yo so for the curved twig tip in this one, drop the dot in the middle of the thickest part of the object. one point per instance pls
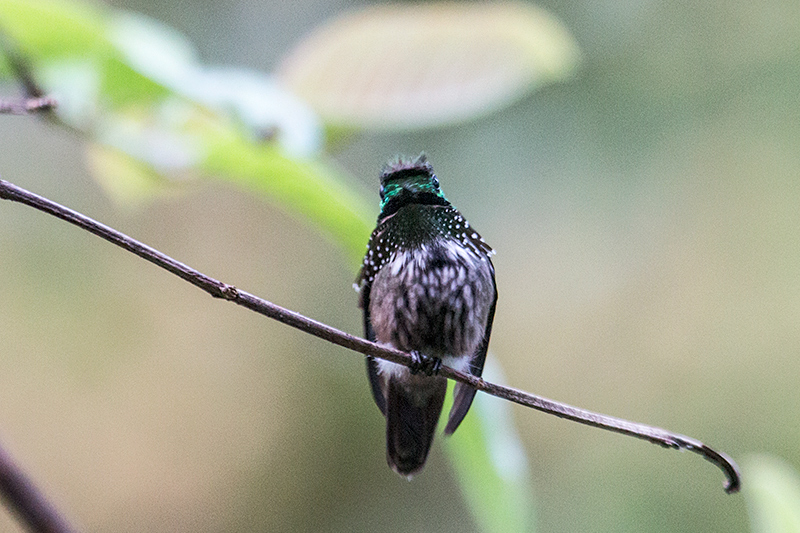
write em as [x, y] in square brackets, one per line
[721, 460]
[728, 466]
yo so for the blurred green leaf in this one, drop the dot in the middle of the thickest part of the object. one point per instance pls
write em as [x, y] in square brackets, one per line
[151, 47]
[122, 85]
[430, 64]
[491, 464]
[162, 54]
[54, 29]
[772, 489]
[308, 186]
[134, 86]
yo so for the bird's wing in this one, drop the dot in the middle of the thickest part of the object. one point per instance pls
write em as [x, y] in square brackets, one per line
[376, 383]
[463, 394]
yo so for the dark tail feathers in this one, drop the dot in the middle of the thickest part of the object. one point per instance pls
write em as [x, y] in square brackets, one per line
[411, 417]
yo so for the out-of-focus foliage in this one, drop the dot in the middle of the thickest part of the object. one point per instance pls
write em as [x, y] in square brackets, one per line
[773, 495]
[428, 64]
[135, 87]
[491, 464]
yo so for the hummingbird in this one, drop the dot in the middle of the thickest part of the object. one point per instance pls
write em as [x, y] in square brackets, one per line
[426, 287]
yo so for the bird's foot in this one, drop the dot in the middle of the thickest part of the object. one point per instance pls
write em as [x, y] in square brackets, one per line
[423, 363]
[417, 362]
[436, 365]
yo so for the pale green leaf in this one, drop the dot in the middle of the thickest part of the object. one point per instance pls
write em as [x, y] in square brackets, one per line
[308, 186]
[48, 29]
[772, 489]
[491, 465]
[428, 64]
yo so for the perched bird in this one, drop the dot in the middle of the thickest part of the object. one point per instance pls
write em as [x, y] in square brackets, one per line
[426, 287]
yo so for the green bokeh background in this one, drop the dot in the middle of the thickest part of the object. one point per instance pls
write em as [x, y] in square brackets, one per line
[646, 218]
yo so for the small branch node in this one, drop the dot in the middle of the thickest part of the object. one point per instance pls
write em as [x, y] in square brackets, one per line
[228, 292]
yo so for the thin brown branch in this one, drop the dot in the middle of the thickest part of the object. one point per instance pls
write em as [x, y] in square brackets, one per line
[27, 502]
[218, 289]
